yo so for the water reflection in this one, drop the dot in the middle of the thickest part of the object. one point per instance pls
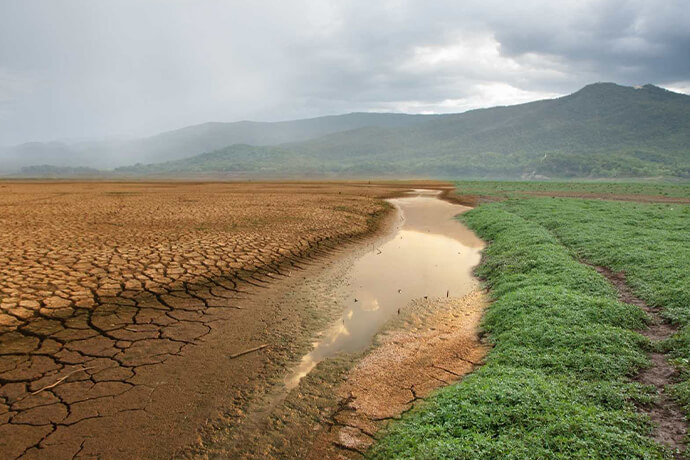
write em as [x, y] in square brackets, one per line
[429, 255]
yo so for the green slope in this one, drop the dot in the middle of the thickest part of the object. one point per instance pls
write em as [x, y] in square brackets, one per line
[192, 140]
[603, 130]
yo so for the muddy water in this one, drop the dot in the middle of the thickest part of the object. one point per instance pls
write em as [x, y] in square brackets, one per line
[429, 254]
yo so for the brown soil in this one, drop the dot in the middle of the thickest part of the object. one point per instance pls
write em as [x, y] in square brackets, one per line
[120, 304]
[267, 421]
[428, 344]
[670, 424]
[338, 408]
[435, 346]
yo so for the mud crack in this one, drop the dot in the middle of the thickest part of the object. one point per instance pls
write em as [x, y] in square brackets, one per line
[101, 285]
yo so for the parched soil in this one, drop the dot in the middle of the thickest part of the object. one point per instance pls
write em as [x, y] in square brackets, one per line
[435, 345]
[120, 304]
[338, 409]
[670, 423]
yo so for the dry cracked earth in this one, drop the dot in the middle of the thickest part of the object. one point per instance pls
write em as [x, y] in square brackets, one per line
[106, 288]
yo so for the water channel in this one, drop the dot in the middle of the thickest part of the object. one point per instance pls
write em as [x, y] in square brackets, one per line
[429, 253]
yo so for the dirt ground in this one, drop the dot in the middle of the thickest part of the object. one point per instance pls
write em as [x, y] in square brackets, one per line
[121, 303]
[435, 344]
[670, 425]
[338, 409]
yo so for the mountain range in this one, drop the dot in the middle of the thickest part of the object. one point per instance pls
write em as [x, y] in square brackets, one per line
[189, 141]
[602, 130]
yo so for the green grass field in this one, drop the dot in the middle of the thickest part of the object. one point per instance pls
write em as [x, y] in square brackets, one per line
[557, 382]
[522, 188]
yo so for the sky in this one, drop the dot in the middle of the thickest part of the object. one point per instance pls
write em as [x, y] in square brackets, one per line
[88, 69]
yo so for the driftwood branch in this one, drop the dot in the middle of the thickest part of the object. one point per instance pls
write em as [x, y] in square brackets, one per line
[236, 355]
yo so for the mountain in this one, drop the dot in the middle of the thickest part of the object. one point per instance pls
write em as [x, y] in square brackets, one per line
[48, 171]
[192, 140]
[603, 130]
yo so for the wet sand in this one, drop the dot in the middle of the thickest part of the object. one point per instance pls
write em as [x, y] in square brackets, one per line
[433, 345]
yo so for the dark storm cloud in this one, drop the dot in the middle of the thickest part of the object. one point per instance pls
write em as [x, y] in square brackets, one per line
[83, 68]
[625, 40]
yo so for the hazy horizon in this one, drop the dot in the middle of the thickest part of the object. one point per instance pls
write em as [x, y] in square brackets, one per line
[91, 70]
[116, 138]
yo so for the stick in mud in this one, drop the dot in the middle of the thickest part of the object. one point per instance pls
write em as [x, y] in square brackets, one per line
[62, 379]
[237, 355]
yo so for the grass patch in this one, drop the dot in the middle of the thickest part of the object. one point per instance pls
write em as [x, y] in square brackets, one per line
[556, 384]
[524, 188]
[650, 243]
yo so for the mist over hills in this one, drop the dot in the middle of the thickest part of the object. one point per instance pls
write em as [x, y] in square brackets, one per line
[603, 130]
[191, 140]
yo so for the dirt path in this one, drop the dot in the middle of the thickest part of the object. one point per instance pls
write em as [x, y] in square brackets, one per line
[670, 424]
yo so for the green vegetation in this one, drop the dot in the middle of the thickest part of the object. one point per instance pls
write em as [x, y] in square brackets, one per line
[245, 159]
[557, 382]
[650, 243]
[603, 130]
[502, 189]
[58, 171]
[193, 140]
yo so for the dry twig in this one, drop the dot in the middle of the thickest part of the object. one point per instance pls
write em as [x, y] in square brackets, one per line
[62, 379]
[236, 355]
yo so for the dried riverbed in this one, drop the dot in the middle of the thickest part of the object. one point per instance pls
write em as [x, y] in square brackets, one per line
[404, 313]
[124, 307]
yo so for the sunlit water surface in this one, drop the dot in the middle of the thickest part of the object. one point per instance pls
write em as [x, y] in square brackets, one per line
[430, 254]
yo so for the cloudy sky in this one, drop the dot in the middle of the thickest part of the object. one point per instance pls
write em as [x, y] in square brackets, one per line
[73, 69]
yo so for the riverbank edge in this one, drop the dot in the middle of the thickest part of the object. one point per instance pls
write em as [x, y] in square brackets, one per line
[556, 381]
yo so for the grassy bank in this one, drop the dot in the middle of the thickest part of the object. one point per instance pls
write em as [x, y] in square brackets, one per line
[556, 384]
[649, 243]
[513, 189]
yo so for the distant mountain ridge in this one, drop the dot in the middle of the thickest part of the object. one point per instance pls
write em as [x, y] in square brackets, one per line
[191, 140]
[603, 130]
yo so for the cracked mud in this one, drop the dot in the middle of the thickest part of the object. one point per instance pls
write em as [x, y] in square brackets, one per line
[434, 346]
[344, 389]
[108, 291]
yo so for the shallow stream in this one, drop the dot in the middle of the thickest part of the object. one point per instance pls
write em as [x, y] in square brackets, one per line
[428, 254]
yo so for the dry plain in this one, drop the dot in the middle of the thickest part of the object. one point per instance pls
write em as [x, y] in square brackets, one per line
[121, 302]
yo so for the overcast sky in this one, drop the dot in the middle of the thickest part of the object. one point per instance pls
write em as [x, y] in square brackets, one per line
[98, 68]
